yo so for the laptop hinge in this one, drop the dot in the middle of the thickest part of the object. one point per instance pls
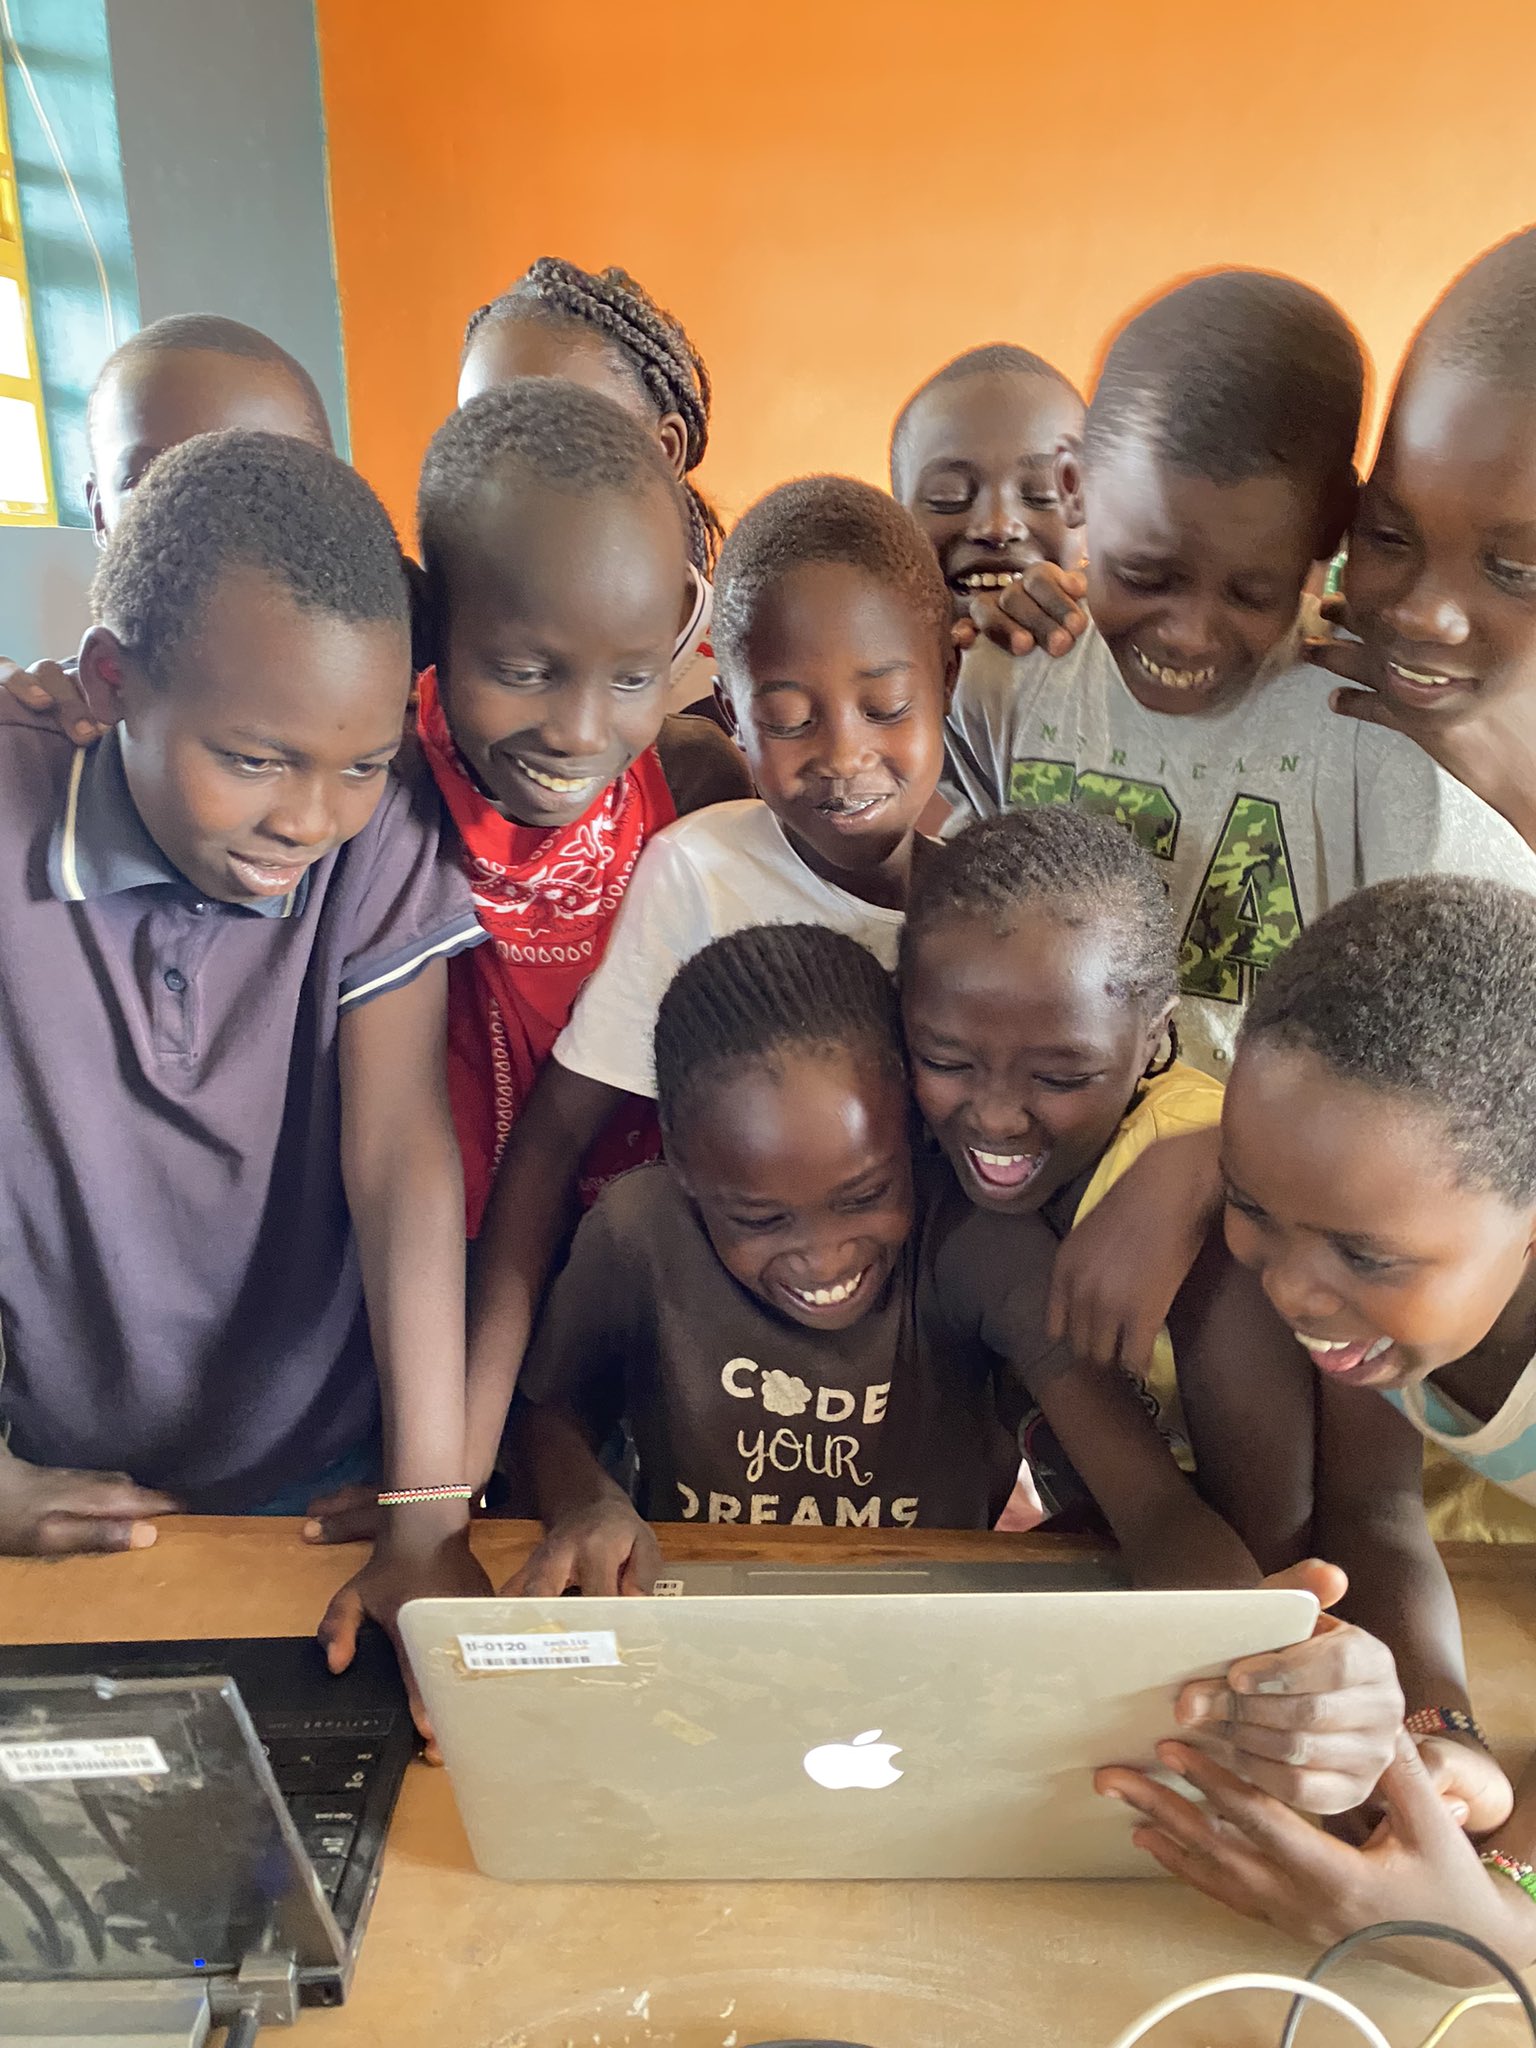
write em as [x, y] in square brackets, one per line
[266, 1986]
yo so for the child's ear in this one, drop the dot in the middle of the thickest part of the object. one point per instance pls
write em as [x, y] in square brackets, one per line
[1338, 514]
[103, 667]
[1069, 479]
[673, 436]
[1161, 1046]
[727, 711]
[951, 672]
[93, 506]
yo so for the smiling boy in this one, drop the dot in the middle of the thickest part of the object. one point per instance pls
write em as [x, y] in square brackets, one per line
[1216, 468]
[1440, 582]
[973, 459]
[232, 1238]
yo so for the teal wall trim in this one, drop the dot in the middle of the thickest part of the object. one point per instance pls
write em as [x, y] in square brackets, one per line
[65, 47]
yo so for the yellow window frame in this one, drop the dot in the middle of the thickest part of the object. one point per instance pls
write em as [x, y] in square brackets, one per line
[29, 389]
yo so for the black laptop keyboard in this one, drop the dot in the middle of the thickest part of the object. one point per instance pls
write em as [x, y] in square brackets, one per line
[324, 1766]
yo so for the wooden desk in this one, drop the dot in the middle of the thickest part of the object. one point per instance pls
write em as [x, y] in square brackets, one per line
[453, 1960]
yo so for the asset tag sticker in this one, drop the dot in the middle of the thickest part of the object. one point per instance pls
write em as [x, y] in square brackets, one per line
[576, 1649]
[667, 1589]
[34, 1763]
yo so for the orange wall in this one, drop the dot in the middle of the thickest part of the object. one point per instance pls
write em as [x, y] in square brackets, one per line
[837, 197]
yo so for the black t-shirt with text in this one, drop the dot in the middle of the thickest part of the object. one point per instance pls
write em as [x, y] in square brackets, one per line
[740, 1415]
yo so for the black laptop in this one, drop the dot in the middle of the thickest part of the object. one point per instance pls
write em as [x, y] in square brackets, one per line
[171, 1810]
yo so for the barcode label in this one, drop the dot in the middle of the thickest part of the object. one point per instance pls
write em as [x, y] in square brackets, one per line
[668, 1589]
[574, 1649]
[33, 1763]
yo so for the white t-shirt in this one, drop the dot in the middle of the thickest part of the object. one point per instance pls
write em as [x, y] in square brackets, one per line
[693, 659]
[1503, 1450]
[1260, 814]
[718, 870]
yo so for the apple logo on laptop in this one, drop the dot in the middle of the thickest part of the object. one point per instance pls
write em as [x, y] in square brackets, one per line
[863, 1764]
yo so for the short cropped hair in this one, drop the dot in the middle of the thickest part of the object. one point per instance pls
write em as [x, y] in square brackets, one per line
[651, 345]
[758, 993]
[214, 335]
[542, 428]
[1486, 321]
[1082, 871]
[1424, 989]
[995, 359]
[1234, 375]
[220, 502]
[821, 519]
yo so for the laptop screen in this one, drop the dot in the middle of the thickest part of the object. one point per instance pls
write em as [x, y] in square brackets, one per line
[142, 1835]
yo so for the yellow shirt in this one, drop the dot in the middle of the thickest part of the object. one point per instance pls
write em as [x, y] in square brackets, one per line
[1462, 1507]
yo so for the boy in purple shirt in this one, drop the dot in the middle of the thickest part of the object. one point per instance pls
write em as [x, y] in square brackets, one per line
[231, 1236]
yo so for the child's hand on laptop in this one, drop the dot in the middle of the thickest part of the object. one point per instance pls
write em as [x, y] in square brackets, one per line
[1249, 1852]
[47, 686]
[1040, 608]
[603, 1549]
[51, 1511]
[424, 1563]
[1314, 1725]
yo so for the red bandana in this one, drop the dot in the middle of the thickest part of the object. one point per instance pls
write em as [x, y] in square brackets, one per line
[548, 900]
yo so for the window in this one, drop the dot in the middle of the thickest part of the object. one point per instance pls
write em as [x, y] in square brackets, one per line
[26, 479]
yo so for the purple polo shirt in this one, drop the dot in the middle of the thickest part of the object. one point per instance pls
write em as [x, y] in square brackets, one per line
[180, 1296]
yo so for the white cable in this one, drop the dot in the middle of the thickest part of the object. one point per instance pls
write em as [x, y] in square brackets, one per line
[1252, 1981]
[13, 51]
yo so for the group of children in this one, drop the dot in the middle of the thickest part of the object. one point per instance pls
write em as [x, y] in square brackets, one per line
[824, 1063]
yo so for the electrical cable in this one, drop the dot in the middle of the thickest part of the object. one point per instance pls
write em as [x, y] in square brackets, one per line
[1414, 1930]
[13, 51]
[1468, 2004]
[243, 2028]
[1252, 1980]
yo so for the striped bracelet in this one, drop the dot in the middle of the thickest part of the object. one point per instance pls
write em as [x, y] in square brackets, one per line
[409, 1496]
[1522, 1874]
[1444, 1721]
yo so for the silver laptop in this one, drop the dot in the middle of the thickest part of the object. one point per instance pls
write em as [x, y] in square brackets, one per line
[816, 1736]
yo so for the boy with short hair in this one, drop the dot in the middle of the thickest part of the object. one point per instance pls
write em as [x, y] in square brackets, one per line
[228, 1179]
[973, 459]
[193, 373]
[1216, 467]
[1440, 583]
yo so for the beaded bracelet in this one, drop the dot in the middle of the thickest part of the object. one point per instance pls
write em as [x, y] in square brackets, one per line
[409, 1496]
[1444, 1721]
[1522, 1874]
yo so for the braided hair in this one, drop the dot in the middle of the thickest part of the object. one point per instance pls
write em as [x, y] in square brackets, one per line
[1424, 989]
[296, 514]
[651, 344]
[1078, 869]
[755, 994]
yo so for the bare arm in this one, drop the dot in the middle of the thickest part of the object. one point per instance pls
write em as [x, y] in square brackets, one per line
[1248, 1392]
[1120, 1269]
[528, 1220]
[1167, 1533]
[404, 1183]
[1370, 1520]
